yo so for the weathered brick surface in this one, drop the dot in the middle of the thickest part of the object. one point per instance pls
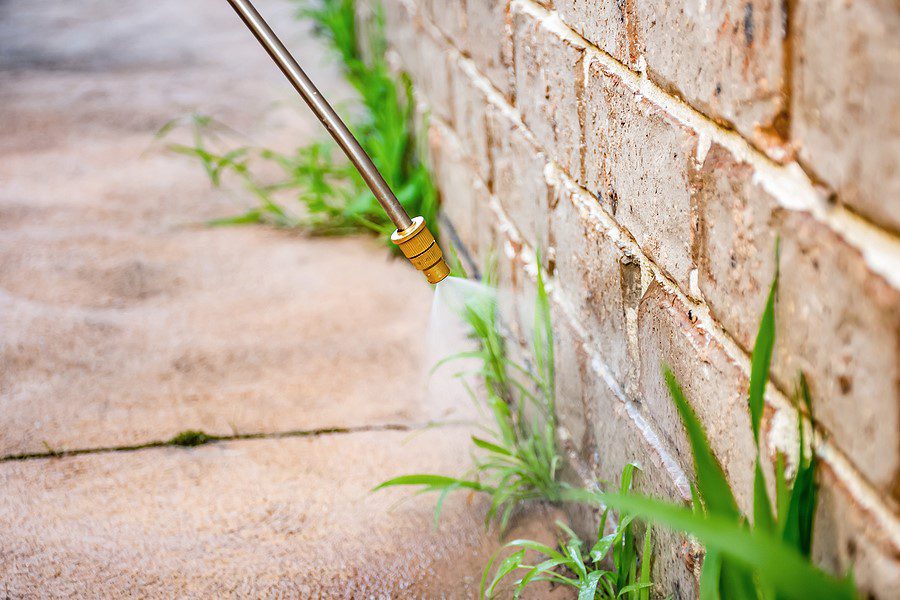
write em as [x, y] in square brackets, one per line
[712, 383]
[548, 80]
[846, 538]
[470, 106]
[517, 176]
[846, 101]
[448, 15]
[455, 180]
[736, 242]
[515, 297]
[489, 42]
[591, 265]
[602, 23]
[837, 322]
[725, 58]
[428, 62]
[637, 161]
[840, 325]
[606, 438]
[704, 208]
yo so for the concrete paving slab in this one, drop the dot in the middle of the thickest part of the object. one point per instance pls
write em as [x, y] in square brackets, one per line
[123, 318]
[265, 518]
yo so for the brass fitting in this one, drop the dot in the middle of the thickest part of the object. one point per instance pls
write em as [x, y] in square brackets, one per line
[418, 245]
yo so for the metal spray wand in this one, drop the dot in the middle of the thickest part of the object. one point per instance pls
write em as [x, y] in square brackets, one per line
[411, 235]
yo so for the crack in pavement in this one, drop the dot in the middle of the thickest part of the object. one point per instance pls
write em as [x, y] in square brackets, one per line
[213, 439]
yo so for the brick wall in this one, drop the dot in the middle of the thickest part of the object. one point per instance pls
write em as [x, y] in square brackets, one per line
[654, 150]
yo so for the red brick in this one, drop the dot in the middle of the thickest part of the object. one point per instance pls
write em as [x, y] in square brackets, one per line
[589, 266]
[846, 539]
[604, 24]
[736, 242]
[637, 162]
[429, 64]
[489, 42]
[454, 179]
[606, 437]
[845, 101]
[548, 79]
[448, 15]
[837, 321]
[517, 177]
[470, 107]
[840, 325]
[725, 58]
[713, 384]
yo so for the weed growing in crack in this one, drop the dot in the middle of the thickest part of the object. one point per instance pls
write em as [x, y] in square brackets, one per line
[771, 558]
[609, 569]
[190, 438]
[517, 459]
[333, 198]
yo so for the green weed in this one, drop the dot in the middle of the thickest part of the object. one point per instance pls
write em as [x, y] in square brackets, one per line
[333, 198]
[189, 438]
[518, 458]
[771, 558]
[608, 570]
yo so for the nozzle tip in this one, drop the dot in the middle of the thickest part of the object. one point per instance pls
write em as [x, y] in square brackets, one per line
[419, 246]
[438, 272]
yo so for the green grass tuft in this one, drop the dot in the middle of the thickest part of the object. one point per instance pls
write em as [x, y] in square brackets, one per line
[517, 459]
[331, 197]
[610, 569]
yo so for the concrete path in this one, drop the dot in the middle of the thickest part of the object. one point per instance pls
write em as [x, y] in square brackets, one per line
[124, 321]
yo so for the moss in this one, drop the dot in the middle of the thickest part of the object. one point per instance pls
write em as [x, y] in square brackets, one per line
[190, 437]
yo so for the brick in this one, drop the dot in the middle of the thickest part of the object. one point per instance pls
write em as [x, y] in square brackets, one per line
[429, 65]
[607, 438]
[470, 107]
[637, 162]
[364, 20]
[837, 321]
[401, 29]
[548, 66]
[713, 384]
[517, 176]
[589, 266]
[454, 179]
[514, 292]
[604, 24]
[736, 242]
[846, 99]
[725, 58]
[489, 42]
[846, 539]
[448, 15]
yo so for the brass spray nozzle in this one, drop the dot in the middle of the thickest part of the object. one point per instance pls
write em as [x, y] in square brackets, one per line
[419, 246]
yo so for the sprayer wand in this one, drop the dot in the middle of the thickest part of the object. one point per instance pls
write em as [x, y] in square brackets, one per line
[411, 235]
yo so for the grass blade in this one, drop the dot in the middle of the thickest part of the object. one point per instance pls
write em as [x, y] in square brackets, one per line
[762, 356]
[775, 562]
[762, 508]
[711, 482]
[433, 481]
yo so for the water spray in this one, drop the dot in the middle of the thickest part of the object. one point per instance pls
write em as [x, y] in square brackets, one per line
[412, 235]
